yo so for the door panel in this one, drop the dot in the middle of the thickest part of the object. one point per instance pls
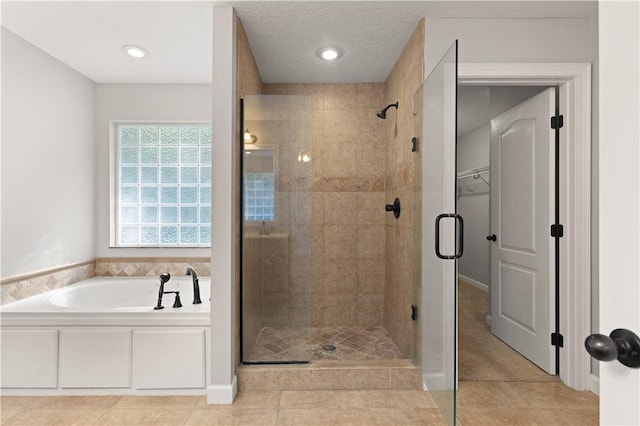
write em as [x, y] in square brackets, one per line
[522, 273]
[516, 145]
[435, 106]
[517, 300]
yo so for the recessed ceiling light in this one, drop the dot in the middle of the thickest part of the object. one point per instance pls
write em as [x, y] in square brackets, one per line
[135, 51]
[329, 53]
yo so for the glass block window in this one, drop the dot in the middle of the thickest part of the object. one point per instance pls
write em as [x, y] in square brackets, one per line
[258, 196]
[163, 185]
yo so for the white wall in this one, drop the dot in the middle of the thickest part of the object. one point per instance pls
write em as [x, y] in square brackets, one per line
[48, 161]
[510, 40]
[619, 201]
[223, 219]
[144, 102]
[473, 153]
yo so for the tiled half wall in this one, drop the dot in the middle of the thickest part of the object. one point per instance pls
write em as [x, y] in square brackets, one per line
[150, 267]
[24, 286]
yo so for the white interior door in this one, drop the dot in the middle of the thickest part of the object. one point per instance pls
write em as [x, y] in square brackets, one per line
[522, 211]
[619, 201]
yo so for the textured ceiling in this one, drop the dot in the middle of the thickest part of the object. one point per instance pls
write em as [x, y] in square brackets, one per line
[284, 35]
[88, 37]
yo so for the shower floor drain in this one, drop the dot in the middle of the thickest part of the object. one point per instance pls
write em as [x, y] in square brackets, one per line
[329, 348]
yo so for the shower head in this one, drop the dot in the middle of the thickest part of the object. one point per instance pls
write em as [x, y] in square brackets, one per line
[383, 113]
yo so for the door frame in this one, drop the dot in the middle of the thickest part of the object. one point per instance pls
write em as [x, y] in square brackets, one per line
[574, 81]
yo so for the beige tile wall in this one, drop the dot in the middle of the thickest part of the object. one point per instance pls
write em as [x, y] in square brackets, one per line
[29, 285]
[17, 288]
[401, 85]
[248, 83]
[335, 205]
[150, 266]
[252, 299]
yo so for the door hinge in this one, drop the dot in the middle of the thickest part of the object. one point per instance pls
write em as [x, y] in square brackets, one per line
[557, 340]
[414, 312]
[557, 231]
[557, 122]
[414, 144]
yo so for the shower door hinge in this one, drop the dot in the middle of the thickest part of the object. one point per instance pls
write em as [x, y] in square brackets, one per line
[557, 231]
[414, 312]
[557, 340]
[414, 144]
[557, 122]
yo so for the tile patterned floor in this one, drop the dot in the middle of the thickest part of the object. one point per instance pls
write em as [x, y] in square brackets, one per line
[481, 355]
[351, 343]
[488, 403]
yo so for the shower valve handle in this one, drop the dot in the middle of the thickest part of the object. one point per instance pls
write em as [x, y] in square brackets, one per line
[395, 208]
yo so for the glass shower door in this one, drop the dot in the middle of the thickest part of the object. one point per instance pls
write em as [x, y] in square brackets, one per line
[439, 240]
[276, 229]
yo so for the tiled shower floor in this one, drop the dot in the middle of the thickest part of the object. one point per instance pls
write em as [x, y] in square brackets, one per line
[303, 344]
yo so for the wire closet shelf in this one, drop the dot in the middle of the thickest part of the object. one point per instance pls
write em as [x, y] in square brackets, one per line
[473, 181]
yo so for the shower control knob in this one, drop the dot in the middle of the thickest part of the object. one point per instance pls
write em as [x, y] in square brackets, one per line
[491, 237]
[395, 208]
[621, 344]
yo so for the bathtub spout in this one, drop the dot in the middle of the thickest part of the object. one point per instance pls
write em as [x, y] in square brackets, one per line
[164, 277]
[196, 285]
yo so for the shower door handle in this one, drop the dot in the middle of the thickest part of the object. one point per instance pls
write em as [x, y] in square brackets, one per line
[460, 236]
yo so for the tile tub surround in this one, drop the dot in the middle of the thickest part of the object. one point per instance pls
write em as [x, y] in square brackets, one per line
[21, 287]
[152, 266]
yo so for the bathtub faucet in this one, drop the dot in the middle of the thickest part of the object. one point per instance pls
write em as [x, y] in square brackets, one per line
[164, 277]
[196, 285]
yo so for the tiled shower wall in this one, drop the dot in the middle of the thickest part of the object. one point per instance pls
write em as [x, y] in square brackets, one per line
[401, 85]
[335, 206]
[248, 83]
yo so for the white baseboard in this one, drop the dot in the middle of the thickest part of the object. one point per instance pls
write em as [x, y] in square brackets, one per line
[223, 394]
[594, 384]
[487, 319]
[474, 283]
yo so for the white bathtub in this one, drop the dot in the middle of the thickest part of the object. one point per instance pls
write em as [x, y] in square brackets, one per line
[102, 336]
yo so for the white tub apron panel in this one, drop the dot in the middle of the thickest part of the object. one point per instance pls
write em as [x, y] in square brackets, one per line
[168, 359]
[95, 358]
[29, 359]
